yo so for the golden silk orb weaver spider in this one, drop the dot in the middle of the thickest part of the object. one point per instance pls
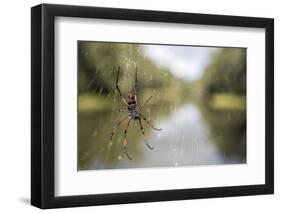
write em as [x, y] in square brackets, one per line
[132, 113]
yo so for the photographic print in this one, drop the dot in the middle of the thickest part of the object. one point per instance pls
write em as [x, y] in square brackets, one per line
[152, 105]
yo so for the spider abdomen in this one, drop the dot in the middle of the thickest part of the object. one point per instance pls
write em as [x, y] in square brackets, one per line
[131, 104]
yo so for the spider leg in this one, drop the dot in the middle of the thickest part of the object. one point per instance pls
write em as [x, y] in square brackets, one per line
[117, 125]
[125, 140]
[123, 110]
[136, 83]
[127, 154]
[150, 124]
[145, 139]
[141, 106]
[118, 89]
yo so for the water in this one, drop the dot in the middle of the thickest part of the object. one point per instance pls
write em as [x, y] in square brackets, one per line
[192, 135]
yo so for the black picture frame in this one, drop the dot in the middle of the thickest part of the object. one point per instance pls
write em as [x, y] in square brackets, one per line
[43, 102]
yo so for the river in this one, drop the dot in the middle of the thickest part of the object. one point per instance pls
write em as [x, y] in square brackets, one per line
[191, 135]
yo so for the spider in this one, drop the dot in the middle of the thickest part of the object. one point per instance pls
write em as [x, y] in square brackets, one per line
[133, 113]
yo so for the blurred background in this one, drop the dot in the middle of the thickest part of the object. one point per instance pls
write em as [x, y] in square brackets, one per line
[199, 100]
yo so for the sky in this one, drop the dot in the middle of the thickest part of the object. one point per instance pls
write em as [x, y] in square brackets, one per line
[186, 62]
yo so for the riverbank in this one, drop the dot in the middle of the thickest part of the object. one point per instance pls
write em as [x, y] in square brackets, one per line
[93, 103]
[228, 101]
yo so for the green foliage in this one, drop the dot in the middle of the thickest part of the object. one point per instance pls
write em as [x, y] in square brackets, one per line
[98, 62]
[227, 72]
